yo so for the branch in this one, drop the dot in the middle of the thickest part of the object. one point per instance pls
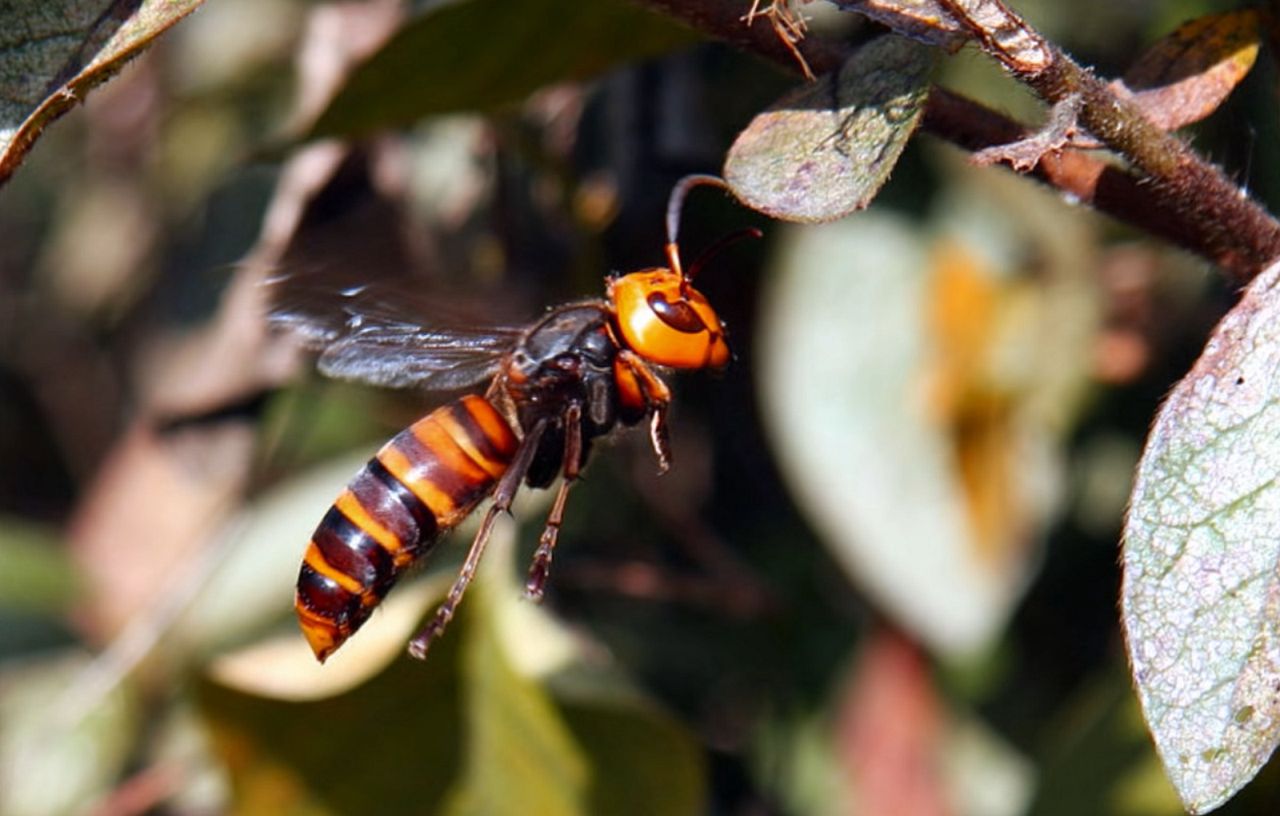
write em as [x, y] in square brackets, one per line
[1105, 187]
[1180, 198]
[1236, 232]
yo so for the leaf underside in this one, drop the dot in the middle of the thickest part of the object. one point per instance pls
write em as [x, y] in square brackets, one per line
[1201, 593]
[824, 150]
[52, 52]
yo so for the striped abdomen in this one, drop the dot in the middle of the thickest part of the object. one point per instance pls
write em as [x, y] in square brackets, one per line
[420, 484]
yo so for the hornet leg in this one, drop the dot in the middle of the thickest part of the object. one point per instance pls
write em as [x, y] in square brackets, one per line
[658, 397]
[541, 565]
[503, 495]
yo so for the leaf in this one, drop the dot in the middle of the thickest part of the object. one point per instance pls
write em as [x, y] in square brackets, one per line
[1201, 593]
[642, 761]
[889, 731]
[37, 575]
[1186, 75]
[916, 399]
[519, 757]
[904, 751]
[480, 54]
[824, 150]
[886, 742]
[389, 746]
[843, 350]
[52, 52]
[130, 561]
[1098, 735]
[471, 730]
[923, 20]
[55, 754]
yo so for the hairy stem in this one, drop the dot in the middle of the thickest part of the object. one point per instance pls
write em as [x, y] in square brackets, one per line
[1105, 187]
[1175, 195]
[1236, 232]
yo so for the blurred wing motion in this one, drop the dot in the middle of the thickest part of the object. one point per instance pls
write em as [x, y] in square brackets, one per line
[383, 335]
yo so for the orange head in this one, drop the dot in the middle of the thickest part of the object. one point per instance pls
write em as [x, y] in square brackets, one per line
[659, 314]
[666, 321]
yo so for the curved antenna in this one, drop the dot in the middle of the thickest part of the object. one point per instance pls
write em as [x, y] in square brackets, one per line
[675, 204]
[706, 255]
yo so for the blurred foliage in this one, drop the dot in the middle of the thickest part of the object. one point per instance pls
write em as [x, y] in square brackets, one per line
[509, 52]
[713, 641]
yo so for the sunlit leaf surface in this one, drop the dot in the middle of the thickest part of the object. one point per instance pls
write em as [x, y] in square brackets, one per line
[518, 754]
[825, 149]
[479, 54]
[1201, 595]
[52, 52]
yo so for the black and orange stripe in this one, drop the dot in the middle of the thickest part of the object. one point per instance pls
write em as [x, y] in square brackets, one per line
[422, 483]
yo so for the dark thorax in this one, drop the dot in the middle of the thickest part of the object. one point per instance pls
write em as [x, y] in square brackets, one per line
[566, 358]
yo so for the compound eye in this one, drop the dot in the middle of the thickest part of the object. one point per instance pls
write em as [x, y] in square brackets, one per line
[679, 315]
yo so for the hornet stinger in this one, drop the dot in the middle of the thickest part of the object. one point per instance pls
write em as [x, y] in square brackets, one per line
[552, 387]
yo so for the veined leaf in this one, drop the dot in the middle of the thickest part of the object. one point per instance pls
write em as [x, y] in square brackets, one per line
[518, 756]
[1201, 594]
[52, 52]
[824, 150]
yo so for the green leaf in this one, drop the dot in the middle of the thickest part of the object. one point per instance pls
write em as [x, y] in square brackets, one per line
[56, 753]
[642, 761]
[390, 746]
[825, 149]
[1098, 735]
[519, 757]
[477, 728]
[36, 575]
[479, 54]
[1201, 593]
[52, 52]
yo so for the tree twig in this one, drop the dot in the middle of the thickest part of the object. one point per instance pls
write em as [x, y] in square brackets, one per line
[1108, 188]
[1237, 233]
[1177, 196]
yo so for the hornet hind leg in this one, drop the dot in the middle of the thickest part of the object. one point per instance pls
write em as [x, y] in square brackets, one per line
[541, 566]
[503, 495]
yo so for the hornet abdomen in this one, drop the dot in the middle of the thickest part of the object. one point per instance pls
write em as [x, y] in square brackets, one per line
[422, 483]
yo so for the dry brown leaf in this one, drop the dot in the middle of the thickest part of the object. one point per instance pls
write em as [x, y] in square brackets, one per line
[1186, 75]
